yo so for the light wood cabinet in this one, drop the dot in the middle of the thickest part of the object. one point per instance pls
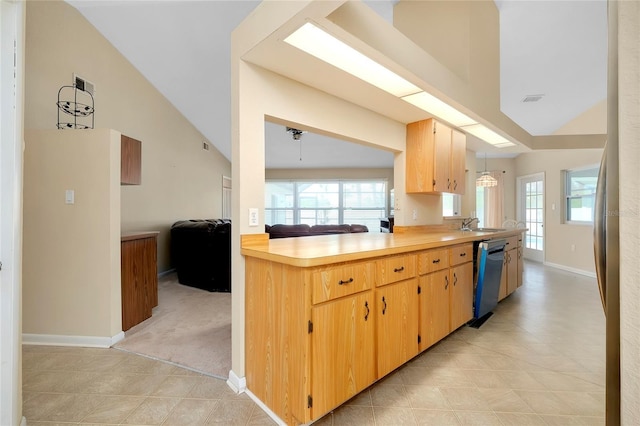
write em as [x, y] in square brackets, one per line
[461, 295]
[520, 261]
[434, 308]
[315, 336]
[397, 318]
[512, 267]
[130, 161]
[343, 355]
[446, 295]
[139, 277]
[435, 158]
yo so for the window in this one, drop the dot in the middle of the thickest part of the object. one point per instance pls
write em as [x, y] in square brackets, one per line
[580, 194]
[326, 202]
[451, 204]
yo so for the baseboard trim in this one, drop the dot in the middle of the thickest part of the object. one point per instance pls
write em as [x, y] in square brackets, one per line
[264, 408]
[167, 272]
[570, 269]
[238, 384]
[63, 340]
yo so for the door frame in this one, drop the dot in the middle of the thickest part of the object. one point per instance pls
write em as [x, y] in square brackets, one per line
[12, 16]
[534, 255]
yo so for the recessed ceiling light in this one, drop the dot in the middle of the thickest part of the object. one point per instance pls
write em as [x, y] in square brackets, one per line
[482, 132]
[442, 110]
[314, 41]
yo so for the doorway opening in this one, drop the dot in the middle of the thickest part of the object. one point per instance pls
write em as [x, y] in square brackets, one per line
[531, 210]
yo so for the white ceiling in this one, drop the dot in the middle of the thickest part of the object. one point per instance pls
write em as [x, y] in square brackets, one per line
[555, 48]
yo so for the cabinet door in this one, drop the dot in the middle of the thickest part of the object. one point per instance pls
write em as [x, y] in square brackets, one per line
[458, 162]
[130, 161]
[343, 350]
[419, 154]
[512, 270]
[397, 317]
[139, 285]
[503, 279]
[520, 266]
[442, 159]
[461, 296]
[434, 308]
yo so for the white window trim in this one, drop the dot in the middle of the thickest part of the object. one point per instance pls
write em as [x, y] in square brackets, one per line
[565, 179]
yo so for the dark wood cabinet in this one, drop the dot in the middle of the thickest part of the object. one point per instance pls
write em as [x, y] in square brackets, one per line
[139, 277]
[130, 161]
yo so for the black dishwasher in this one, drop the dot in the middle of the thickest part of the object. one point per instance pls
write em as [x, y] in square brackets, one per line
[489, 260]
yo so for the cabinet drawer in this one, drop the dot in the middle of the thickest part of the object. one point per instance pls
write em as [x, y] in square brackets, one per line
[461, 254]
[433, 260]
[335, 281]
[512, 242]
[395, 268]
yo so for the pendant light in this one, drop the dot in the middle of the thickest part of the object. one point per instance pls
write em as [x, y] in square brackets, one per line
[486, 180]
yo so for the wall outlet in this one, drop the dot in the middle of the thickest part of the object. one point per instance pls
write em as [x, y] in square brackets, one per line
[253, 217]
[415, 214]
[573, 247]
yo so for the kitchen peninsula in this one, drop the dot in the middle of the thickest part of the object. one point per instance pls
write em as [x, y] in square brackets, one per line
[327, 316]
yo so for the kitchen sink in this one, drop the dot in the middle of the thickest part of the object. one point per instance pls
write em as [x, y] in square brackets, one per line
[488, 229]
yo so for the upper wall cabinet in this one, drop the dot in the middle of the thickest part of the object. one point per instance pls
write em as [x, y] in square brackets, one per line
[130, 161]
[435, 158]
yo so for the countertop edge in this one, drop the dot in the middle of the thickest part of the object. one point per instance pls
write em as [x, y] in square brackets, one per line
[445, 239]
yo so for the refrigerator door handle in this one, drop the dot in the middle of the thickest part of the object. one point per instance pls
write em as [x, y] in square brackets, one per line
[600, 231]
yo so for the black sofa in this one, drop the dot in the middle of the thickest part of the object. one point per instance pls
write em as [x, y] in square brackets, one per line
[303, 230]
[201, 253]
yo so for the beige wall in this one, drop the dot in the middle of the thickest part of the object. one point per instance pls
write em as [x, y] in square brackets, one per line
[179, 179]
[559, 236]
[71, 252]
[592, 121]
[629, 160]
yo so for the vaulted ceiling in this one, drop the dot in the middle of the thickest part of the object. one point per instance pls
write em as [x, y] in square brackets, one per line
[556, 49]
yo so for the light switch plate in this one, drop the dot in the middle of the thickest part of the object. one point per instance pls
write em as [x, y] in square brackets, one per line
[69, 196]
[253, 217]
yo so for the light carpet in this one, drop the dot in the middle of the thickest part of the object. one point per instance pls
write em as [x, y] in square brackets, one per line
[189, 327]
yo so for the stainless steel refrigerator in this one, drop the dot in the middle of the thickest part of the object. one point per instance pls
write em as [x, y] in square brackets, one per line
[606, 229]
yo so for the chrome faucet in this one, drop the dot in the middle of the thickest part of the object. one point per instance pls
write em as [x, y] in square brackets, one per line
[466, 223]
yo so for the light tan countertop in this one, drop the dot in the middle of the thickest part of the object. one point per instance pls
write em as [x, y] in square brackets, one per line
[328, 249]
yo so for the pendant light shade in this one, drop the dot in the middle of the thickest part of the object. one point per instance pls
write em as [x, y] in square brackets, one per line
[486, 180]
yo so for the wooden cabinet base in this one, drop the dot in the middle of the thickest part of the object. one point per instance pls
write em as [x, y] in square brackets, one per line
[139, 278]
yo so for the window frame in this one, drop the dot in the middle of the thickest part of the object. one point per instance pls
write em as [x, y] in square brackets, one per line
[567, 194]
[457, 205]
[341, 208]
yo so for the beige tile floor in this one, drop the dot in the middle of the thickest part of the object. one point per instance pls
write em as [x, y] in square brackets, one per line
[539, 360]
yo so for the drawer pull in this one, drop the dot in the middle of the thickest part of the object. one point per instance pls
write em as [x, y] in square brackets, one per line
[400, 269]
[436, 261]
[366, 306]
[463, 254]
[446, 282]
[341, 282]
[384, 308]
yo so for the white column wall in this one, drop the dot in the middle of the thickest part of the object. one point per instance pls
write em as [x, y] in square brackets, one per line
[261, 93]
[629, 158]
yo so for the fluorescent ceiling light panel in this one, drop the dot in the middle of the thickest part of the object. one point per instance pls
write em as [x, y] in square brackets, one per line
[435, 106]
[487, 135]
[327, 48]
